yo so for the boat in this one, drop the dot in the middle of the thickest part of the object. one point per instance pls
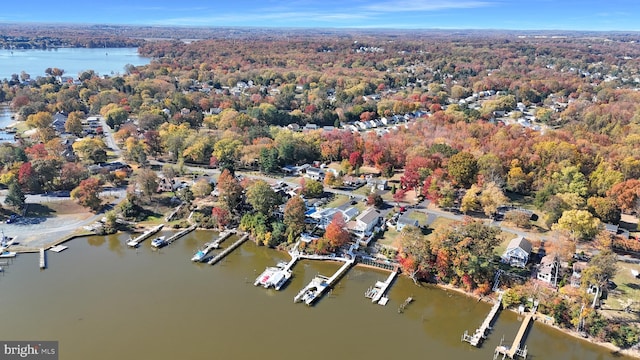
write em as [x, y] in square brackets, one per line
[159, 242]
[199, 256]
[8, 254]
[281, 279]
[263, 279]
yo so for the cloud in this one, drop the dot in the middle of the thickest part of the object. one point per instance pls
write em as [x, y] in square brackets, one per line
[424, 5]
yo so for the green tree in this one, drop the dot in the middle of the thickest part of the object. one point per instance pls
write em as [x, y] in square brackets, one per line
[415, 255]
[605, 209]
[15, 195]
[262, 197]
[201, 188]
[580, 223]
[185, 195]
[462, 168]
[313, 189]
[268, 160]
[73, 124]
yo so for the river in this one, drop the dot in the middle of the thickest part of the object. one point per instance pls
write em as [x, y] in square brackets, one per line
[102, 300]
[104, 61]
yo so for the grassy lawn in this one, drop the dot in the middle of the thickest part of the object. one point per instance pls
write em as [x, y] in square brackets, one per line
[420, 216]
[337, 201]
[389, 238]
[364, 190]
[440, 221]
[628, 289]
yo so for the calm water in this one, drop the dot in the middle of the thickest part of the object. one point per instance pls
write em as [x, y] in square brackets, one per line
[104, 61]
[5, 119]
[102, 300]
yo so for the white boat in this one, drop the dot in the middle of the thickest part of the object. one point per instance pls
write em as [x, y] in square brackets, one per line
[8, 254]
[159, 242]
[264, 278]
[199, 256]
[281, 278]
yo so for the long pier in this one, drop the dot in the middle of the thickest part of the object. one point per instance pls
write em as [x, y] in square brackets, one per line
[320, 284]
[228, 250]
[135, 242]
[377, 292]
[181, 234]
[202, 253]
[515, 349]
[43, 259]
[481, 332]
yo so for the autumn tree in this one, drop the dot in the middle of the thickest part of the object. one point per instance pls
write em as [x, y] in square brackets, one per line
[605, 209]
[147, 181]
[415, 255]
[601, 268]
[73, 125]
[87, 193]
[627, 195]
[491, 198]
[470, 200]
[336, 232]
[230, 191]
[220, 217]
[201, 188]
[294, 217]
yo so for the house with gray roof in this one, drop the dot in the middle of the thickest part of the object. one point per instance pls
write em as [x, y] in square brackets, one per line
[518, 252]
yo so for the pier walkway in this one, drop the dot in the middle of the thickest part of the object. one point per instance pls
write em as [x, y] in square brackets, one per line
[181, 234]
[202, 253]
[376, 293]
[135, 242]
[228, 250]
[43, 259]
[515, 349]
[481, 332]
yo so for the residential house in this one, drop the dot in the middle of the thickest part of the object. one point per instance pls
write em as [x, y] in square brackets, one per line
[323, 217]
[378, 184]
[548, 269]
[518, 252]
[59, 120]
[165, 185]
[315, 173]
[365, 223]
[576, 276]
[405, 220]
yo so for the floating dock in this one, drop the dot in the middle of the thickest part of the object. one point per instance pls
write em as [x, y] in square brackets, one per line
[376, 293]
[135, 242]
[228, 250]
[481, 333]
[43, 259]
[59, 248]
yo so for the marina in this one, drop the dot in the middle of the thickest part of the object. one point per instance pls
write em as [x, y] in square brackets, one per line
[135, 242]
[92, 299]
[481, 333]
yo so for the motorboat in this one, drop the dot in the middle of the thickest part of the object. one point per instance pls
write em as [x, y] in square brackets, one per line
[199, 256]
[159, 242]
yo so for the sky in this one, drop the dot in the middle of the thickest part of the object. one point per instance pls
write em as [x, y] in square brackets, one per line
[602, 15]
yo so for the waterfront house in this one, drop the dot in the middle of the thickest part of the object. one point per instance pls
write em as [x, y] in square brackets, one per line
[518, 252]
[365, 223]
[548, 269]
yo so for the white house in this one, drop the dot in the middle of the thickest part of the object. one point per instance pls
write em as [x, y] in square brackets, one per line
[518, 252]
[548, 269]
[365, 223]
[315, 173]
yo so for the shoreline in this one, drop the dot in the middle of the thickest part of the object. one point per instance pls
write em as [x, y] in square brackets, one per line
[607, 345]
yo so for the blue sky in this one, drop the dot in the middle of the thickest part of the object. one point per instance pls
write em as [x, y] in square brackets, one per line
[400, 14]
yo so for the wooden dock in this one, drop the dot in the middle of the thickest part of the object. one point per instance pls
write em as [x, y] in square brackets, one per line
[228, 250]
[181, 234]
[43, 259]
[376, 292]
[481, 333]
[515, 349]
[135, 242]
